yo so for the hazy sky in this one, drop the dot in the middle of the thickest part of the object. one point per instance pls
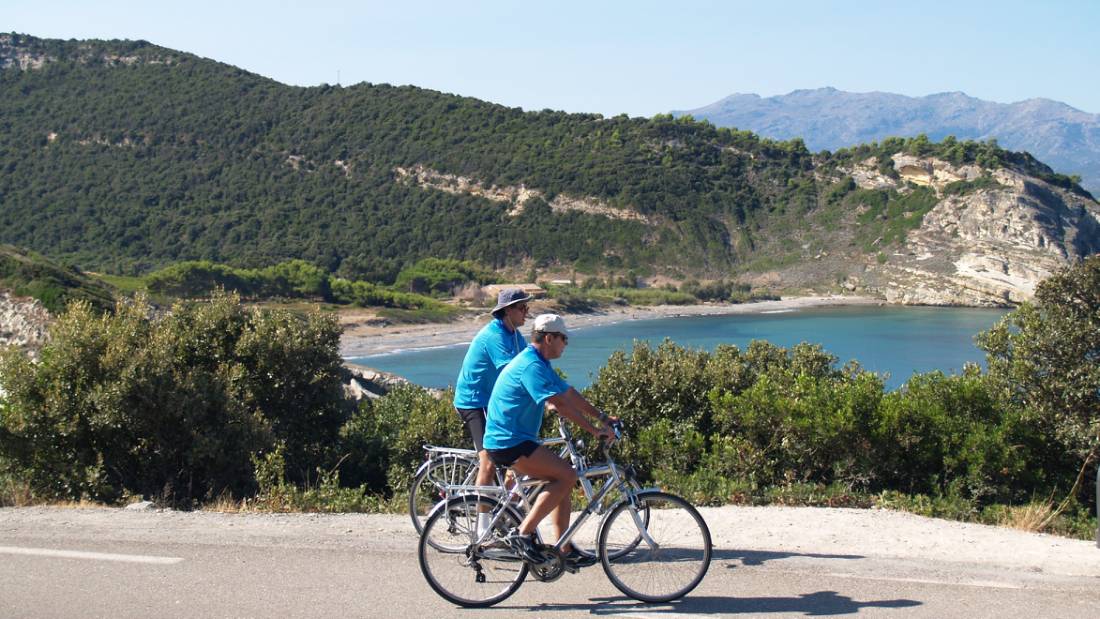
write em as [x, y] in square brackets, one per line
[637, 57]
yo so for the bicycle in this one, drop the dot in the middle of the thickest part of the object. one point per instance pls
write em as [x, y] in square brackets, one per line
[653, 546]
[447, 468]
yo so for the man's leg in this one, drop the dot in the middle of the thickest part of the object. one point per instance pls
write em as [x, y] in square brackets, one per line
[484, 469]
[475, 425]
[555, 496]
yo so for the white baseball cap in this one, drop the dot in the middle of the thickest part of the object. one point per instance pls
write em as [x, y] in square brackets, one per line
[550, 323]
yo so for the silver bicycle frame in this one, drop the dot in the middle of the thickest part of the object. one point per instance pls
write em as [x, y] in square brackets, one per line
[585, 473]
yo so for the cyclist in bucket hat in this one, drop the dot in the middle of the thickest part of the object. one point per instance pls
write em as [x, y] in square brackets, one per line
[491, 349]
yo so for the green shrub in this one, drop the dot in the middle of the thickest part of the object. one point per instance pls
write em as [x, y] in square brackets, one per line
[886, 216]
[576, 301]
[816, 495]
[170, 405]
[325, 494]
[366, 294]
[297, 278]
[950, 505]
[804, 424]
[771, 417]
[383, 441]
[679, 390]
[941, 432]
[717, 291]
[1043, 360]
[440, 276]
[962, 188]
[201, 278]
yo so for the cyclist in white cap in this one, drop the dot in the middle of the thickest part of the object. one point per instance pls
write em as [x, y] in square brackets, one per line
[512, 427]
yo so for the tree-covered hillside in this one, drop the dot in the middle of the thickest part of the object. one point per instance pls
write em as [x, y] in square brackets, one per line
[125, 156]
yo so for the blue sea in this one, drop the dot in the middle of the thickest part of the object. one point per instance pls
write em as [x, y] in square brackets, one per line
[894, 341]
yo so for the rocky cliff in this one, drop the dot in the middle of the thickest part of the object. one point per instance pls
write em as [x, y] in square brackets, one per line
[987, 247]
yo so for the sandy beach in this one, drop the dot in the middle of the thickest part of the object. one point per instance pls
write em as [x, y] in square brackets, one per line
[361, 339]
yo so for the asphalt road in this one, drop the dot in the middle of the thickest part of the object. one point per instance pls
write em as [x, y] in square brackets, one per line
[115, 563]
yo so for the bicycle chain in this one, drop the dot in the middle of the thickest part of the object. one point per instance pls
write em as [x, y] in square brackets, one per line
[552, 567]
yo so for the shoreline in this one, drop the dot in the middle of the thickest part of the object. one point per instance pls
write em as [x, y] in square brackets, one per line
[368, 340]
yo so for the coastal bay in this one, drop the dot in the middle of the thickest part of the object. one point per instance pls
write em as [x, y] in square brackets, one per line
[892, 340]
[364, 340]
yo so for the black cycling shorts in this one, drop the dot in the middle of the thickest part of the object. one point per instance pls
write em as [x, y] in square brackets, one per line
[509, 455]
[474, 418]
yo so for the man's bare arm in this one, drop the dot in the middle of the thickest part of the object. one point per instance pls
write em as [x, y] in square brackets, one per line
[574, 407]
[566, 407]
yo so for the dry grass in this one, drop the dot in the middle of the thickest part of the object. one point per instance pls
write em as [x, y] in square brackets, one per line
[81, 504]
[14, 494]
[1030, 517]
[226, 504]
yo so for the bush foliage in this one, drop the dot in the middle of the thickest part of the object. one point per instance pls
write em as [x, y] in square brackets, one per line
[290, 279]
[735, 421]
[171, 405]
[213, 398]
[1044, 360]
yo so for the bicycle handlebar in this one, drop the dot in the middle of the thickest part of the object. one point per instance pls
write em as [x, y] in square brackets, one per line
[616, 427]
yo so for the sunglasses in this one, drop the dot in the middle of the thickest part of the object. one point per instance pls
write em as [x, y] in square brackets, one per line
[564, 338]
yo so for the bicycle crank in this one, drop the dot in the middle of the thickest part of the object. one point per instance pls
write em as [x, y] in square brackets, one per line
[552, 566]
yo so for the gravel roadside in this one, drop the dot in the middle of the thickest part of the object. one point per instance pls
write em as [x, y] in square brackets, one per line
[804, 531]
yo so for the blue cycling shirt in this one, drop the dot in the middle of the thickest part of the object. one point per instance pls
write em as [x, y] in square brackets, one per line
[493, 347]
[515, 408]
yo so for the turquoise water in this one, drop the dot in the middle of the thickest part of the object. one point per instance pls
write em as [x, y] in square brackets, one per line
[898, 341]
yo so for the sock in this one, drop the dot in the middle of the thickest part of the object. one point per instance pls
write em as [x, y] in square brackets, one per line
[482, 523]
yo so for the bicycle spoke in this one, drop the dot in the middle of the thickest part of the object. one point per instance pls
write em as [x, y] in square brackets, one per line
[666, 569]
[431, 485]
[459, 571]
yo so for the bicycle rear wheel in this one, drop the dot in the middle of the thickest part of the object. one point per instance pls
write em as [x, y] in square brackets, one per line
[429, 485]
[460, 571]
[669, 564]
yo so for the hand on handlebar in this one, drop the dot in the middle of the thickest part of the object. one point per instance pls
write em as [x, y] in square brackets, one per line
[610, 429]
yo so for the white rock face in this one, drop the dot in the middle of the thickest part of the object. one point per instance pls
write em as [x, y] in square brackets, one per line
[867, 176]
[927, 172]
[517, 196]
[990, 247]
[23, 322]
[932, 172]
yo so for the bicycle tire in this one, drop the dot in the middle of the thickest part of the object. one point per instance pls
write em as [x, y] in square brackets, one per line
[433, 475]
[447, 545]
[663, 573]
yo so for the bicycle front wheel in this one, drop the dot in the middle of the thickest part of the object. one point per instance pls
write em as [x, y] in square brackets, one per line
[460, 570]
[587, 538]
[429, 486]
[671, 558]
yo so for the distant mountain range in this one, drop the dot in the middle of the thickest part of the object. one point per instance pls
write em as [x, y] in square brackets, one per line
[1063, 137]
